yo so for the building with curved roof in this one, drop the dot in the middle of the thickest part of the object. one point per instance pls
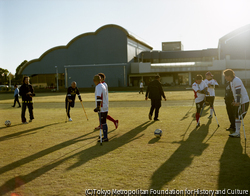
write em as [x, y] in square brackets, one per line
[109, 50]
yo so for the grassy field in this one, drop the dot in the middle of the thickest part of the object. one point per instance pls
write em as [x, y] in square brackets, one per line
[51, 157]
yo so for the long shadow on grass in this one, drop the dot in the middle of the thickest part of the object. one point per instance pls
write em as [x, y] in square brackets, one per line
[84, 156]
[42, 153]
[181, 158]
[97, 151]
[24, 133]
[234, 167]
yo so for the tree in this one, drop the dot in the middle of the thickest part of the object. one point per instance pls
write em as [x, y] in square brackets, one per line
[18, 77]
[3, 76]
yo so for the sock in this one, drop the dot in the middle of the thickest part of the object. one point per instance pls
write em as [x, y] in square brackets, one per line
[105, 130]
[211, 111]
[237, 125]
[197, 117]
[111, 119]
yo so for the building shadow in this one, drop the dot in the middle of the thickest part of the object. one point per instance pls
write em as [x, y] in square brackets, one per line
[181, 158]
[234, 167]
[83, 156]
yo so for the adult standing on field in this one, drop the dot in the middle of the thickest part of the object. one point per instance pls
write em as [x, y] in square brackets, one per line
[102, 78]
[229, 99]
[27, 92]
[102, 105]
[155, 93]
[70, 98]
[16, 94]
[241, 99]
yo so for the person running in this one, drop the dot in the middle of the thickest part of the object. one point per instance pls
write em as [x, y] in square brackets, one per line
[27, 92]
[200, 90]
[102, 105]
[211, 83]
[16, 94]
[155, 92]
[241, 99]
[102, 78]
[70, 98]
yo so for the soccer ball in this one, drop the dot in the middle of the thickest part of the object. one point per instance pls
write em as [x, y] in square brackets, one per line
[7, 123]
[158, 133]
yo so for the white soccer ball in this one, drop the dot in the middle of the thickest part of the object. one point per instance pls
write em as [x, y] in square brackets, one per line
[158, 133]
[7, 123]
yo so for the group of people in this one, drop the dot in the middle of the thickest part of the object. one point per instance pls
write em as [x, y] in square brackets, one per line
[236, 98]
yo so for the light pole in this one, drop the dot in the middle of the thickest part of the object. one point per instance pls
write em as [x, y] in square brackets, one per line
[57, 87]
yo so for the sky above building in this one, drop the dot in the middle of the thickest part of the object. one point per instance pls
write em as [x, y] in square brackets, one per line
[28, 28]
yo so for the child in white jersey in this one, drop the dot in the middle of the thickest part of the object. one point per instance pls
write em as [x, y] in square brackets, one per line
[211, 83]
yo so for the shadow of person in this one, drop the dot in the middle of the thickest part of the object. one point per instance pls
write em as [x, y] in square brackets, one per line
[84, 156]
[181, 158]
[234, 167]
[115, 143]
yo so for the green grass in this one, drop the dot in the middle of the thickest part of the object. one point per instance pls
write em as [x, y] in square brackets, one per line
[51, 157]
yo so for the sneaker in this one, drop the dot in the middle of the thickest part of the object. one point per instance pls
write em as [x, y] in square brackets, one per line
[150, 117]
[25, 122]
[210, 117]
[30, 120]
[198, 125]
[70, 119]
[157, 119]
[230, 129]
[235, 134]
[116, 124]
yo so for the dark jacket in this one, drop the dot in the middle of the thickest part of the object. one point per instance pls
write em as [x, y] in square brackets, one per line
[71, 93]
[155, 91]
[24, 89]
[229, 98]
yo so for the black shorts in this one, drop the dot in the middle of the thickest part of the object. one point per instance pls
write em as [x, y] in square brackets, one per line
[104, 117]
[242, 111]
[199, 106]
[210, 100]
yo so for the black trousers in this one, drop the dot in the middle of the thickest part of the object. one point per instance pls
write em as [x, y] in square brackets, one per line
[231, 114]
[30, 107]
[16, 100]
[155, 105]
[70, 105]
[141, 90]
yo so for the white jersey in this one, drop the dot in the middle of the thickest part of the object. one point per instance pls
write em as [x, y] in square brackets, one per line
[199, 96]
[106, 86]
[141, 85]
[236, 83]
[101, 91]
[211, 88]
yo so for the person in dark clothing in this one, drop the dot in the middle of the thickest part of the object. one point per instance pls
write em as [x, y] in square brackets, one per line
[70, 98]
[16, 92]
[229, 98]
[27, 92]
[155, 92]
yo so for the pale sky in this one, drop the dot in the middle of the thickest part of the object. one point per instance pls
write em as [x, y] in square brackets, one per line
[28, 28]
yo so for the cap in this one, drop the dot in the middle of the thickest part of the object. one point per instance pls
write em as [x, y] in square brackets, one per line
[209, 74]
